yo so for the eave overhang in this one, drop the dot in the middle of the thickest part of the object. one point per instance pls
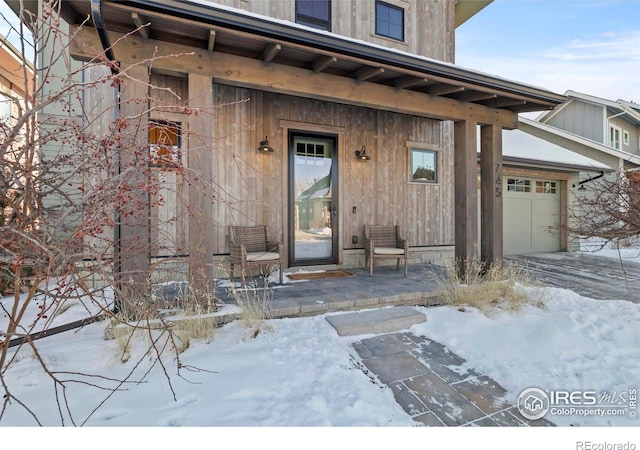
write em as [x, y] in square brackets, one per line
[204, 25]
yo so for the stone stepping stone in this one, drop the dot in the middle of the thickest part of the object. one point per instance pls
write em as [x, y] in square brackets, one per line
[376, 321]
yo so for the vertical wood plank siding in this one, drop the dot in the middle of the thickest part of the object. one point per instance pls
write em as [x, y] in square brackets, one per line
[251, 187]
[356, 18]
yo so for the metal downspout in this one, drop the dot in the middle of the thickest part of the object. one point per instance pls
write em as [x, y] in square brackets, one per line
[98, 21]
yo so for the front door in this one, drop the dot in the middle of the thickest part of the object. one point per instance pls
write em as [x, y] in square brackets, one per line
[313, 209]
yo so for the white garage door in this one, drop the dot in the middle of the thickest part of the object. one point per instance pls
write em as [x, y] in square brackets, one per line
[531, 215]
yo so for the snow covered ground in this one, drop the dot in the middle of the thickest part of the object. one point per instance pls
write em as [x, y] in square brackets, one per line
[299, 373]
[627, 251]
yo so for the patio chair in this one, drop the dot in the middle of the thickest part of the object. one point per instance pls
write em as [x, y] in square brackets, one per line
[385, 241]
[250, 246]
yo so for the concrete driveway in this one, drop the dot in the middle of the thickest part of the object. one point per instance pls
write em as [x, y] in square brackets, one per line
[588, 275]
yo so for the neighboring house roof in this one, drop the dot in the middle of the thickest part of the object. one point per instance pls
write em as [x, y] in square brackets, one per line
[321, 189]
[521, 148]
[190, 22]
[629, 110]
[12, 64]
[626, 156]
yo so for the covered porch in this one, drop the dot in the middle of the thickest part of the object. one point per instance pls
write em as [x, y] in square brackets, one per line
[229, 48]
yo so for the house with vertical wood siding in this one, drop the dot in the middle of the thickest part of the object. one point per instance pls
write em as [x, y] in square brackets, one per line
[318, 83]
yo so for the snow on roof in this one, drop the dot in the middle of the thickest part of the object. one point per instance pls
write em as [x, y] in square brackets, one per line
[517, 144]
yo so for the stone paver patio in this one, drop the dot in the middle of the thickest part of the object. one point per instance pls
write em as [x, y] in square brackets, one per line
[433, 385]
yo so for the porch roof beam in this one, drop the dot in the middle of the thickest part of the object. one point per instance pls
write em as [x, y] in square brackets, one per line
[409, 82]
[213, 14]
[444, 89]
[212, 40]
[270, 52]
[323, 62]
[141, 24]
[368, 72]
[247, 72]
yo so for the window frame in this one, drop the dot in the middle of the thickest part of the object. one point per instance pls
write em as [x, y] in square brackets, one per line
[625, 137]
[548, 187]
[6, 110]
[518, 184]
[391, 7]
[413, 149]
[312, 21]
[158, 161]
[613, 129]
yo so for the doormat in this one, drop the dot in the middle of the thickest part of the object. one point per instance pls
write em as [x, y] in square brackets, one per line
[318, 275]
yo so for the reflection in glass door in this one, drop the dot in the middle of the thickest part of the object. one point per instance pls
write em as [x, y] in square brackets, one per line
[313, 210]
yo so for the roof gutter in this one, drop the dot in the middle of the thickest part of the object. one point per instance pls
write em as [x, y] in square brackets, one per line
[98, 20]
[255, 24]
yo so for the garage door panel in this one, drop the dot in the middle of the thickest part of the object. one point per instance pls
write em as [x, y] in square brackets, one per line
[518, 242]
[530, 217]
[519, 206]
[518, 224]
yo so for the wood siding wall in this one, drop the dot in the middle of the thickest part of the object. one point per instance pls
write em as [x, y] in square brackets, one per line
[429, 24]
[251, 188]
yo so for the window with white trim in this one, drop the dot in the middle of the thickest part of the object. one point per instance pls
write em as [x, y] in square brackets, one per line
[614, 136]
[625, 137]
[5, 108]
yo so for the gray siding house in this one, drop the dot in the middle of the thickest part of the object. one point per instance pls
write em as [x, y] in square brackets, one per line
[615, 124]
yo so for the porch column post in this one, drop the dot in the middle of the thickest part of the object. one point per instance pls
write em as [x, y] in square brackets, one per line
[466, 198]
[491, 195]
[200, 192]
[131, 250]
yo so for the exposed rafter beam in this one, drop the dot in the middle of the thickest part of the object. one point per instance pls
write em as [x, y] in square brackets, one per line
[368, 72]
[444, 89]
[252, 74]
[475, 96]
[503, 102]
[407, 82]
[140, 23]
[212, 40]
[323, 62]
[270, 52]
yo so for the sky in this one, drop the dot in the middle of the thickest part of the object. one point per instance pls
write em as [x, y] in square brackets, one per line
[588, 46]
[299, 379]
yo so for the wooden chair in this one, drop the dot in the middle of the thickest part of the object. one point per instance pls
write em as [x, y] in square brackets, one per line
[250, 246]
[385, 241]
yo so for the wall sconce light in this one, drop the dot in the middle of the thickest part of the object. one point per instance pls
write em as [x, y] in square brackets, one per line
[264, 146]
[362, 154]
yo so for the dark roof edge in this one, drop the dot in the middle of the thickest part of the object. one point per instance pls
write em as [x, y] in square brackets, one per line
[559, 166]
[279, 29]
